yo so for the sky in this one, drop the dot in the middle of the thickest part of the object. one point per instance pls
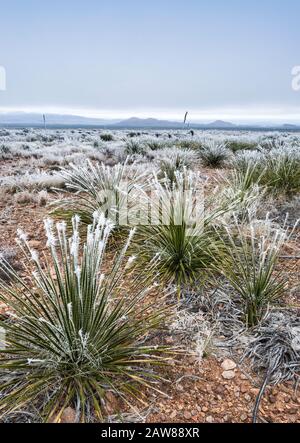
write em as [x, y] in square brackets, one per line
[118, 58]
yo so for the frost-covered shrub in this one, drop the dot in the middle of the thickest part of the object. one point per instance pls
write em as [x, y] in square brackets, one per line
[253, 251]
[214, 155]
[78, 331]
[171, 160]
[31, 182]
[181, 241]
[106, 137]
[95, 187]
[278, 170]
[133, 147]
[240, 145]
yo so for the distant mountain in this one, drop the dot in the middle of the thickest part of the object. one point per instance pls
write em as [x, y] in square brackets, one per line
[220, 124]
[290, 126]
[26, 119]
[135, 122]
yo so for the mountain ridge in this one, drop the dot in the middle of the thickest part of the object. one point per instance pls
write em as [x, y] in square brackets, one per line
[20, 119]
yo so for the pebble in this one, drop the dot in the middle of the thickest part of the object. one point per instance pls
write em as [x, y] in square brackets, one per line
[187, 415]
[209, 419]
[228, 375]
[228, 365]
[68, 415]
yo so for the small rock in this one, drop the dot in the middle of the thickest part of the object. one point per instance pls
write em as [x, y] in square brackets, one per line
[228, 375]
[173, 414]
[243, 417]
[209, 419]
[219, 389]
[228, 365]
[68, 415]
[35, 244]
[187, 415]
[244, 389]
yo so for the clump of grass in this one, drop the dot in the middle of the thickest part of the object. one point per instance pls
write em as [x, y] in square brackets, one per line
[106, 137]
[240, 145]
[282, 172]
[214, 155]
[174, 160]
[132, 134]
[181, 237]
[189, 144]
[95, 188]
[277, 170]
[133, 147]
[154, 145]
[77, 331]
[5, 152]
[242, 188]
[253, 255]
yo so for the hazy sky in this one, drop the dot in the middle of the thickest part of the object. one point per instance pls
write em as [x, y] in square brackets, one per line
[218, 59]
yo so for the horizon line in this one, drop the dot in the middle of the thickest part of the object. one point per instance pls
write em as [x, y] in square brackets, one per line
[232, 115]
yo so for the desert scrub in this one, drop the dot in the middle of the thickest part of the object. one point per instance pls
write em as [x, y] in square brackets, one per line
[277, 170]
[242, 189]
[134, 147]
[154, 145]
[189, 144]
[253, 252]
[173, 160]
[31, 182]
[106, 137]
[180, 236]
[240, 145]
[5, 152]
[96, 187]
[77, 332]
[214, 154]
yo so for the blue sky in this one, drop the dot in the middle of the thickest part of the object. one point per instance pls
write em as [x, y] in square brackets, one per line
[218, 59]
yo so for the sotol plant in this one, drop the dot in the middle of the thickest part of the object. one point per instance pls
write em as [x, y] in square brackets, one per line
[77, 332]
[182, 245]
[95, 188]
[214, 154]
[253, 253]
[277, 170]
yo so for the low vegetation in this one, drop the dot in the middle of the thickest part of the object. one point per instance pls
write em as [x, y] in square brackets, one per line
[162, 240]
[79, 334]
